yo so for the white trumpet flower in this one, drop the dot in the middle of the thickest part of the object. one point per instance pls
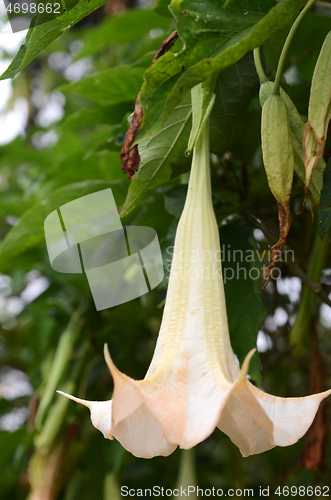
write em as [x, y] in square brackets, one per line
[194, 384]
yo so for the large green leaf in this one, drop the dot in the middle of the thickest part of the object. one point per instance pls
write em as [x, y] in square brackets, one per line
[163, 8]
[125, 28]
[40, 36]
[234, 91]
[209, 45]
[163, 156]
[324, 214]
[29, 231]
[242, 282]
[110, 86]
[160, 154]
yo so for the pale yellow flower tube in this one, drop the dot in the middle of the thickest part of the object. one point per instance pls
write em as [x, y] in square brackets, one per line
[194, 383]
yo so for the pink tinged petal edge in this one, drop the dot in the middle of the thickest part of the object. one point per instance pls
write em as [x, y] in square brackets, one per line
[140, 424]
[101, 413]
[186, 415]
[242, 419]
[186, 419]
[255, 421]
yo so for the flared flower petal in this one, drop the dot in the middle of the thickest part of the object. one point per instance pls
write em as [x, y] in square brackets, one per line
[256, 421]
[194, 383]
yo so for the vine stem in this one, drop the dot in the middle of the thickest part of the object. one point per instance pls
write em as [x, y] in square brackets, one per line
[258, 65]
[287, 44]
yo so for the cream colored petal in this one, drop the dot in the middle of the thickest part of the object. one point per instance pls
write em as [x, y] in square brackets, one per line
[291, 417]
[256, 421]
[243, 430]
[142, 435]
[251, 433]
[101, 414]
[187, 403]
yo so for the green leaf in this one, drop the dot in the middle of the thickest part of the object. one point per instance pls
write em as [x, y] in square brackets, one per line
[85, 117]
[234, 90]
[125, 28]
[163, 8]
[163, 156]
[29, 231]
[40, 36]
[110, 86]
[174, 200]
[209, 45]
[203, 100]
[242, 283]
[310, 34]
[324, 214]
[9, 441]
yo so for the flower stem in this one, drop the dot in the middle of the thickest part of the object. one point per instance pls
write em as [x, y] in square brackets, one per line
[258, 65]
[287, 44]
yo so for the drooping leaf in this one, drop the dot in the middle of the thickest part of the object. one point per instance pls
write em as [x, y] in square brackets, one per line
[163, 156]
[208, 45]
[242, 282]
[110, 86]
[324, 214]
[40, 36]
[29, 231]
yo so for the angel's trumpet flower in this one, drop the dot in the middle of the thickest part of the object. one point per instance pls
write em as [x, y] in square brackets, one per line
[194, 384]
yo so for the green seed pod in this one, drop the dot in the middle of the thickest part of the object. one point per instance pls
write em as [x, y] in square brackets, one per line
[278, 159]
[297, 130]
[277, 148]
[320, 92]
[319, 111]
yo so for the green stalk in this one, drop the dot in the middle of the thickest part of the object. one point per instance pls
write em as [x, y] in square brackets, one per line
[61, 361]
[187, 471]
[287, 44]
[299, 333]
[258, 65]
